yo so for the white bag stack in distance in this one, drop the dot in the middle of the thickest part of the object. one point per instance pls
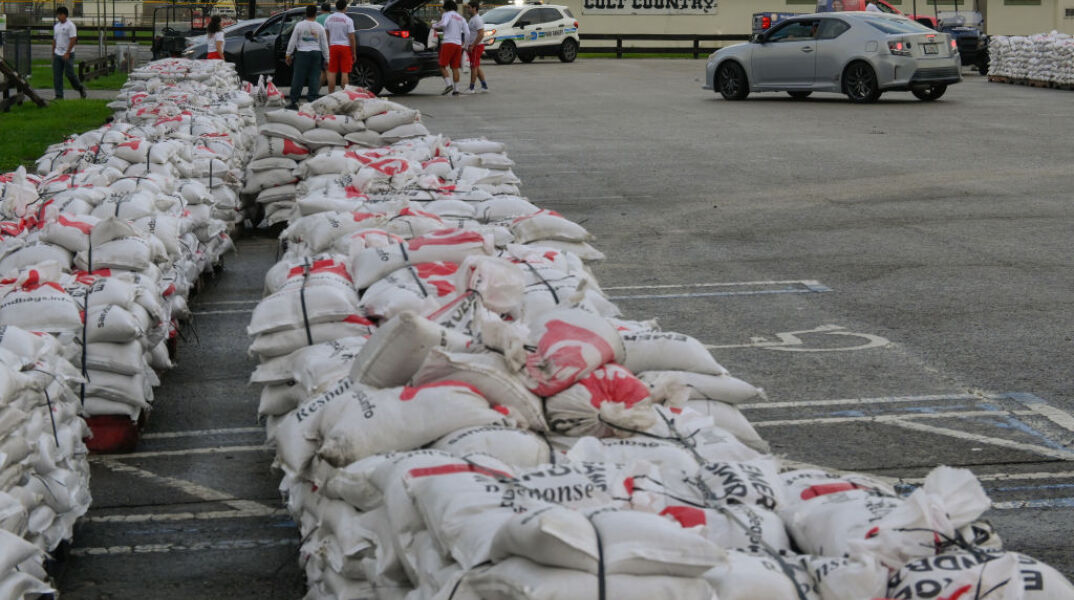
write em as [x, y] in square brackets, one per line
[497, 430]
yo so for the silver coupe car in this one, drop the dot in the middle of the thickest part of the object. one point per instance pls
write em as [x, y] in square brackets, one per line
[860, 54]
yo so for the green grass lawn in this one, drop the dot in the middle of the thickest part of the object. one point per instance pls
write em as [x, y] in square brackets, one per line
[41, 78]
[28, 130]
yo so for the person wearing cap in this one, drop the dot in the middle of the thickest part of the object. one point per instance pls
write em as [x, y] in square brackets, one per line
[307, 51]
[342, 46]
[64, 38]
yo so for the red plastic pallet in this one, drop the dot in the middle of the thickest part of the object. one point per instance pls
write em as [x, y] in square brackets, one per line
[112, 434]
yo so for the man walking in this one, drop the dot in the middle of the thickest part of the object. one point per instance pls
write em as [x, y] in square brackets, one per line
[476, 45]
[64, 38]
[455, 33]
[342, 46]
[307, 52]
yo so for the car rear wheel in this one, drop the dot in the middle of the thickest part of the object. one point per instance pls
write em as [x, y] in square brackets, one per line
[731, 81]
[568, 51]
[527, 57]
[402, 87]
[860, 84]
[367, 74]
[506, 54]
[800, 95]
[928, 94]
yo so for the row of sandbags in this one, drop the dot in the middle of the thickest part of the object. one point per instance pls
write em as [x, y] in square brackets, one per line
[459, 411]
[297, 146]
[44, 475]
[1042, 57]
[103, 245]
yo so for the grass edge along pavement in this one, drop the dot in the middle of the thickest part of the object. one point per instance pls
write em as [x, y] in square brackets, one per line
[41, 78]
[28, 130]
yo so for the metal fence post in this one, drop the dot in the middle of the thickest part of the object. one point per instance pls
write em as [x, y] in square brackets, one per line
[619, 47]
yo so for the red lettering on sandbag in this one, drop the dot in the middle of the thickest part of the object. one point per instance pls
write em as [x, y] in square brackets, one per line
[687, 516]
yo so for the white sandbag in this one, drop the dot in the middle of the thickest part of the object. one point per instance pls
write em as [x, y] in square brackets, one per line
[965, 575]
[281, 130]
[489, 373]
[368, 421]
[608, 402]
[668, 351]
[319, 297]
[519, 579]
[753, 483]
[570, 344]
[398, 348]
[298, 120]
[19, 254]
[515, 447]
[620, 541]
[341, 124]
[662, 453]
[731, 419]
[701, 386]
[111, 323]
[279, 343]
[547, 225]
[734, 525]
[319, 138]
[391, 119]
[370, 264]
[125, 359]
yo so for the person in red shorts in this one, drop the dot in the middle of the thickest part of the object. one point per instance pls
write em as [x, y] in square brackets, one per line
[477, 46]
[342, 45]
[215, 38]
[456, 32]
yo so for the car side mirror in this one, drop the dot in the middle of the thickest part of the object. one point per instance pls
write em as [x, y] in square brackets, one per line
[522, 24]
[757, 38]
[249, 35]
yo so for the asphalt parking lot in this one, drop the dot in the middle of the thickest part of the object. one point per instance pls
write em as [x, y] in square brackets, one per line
[913, 255]
[898, 277]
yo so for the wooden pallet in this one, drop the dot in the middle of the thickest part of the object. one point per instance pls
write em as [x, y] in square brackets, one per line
[1037, 83]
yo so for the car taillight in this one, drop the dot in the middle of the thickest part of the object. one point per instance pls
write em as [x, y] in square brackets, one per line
[899, 48]
[766, 22]
[954, 46]
[399, 33]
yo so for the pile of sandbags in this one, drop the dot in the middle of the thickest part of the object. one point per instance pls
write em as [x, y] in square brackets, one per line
[320, 152]
[1045, 57]
[103, 245]
[44, 475]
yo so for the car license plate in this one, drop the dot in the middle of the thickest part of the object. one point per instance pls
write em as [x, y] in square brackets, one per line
[932, 48]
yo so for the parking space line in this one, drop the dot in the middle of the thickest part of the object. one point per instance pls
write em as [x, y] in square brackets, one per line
[209, 515]
[1039, 503]
[845, 401]
[196, 547]
[981, 439]
[223, 312]
[1040, 406]
[160, 435]
[188, 451]
[887, 418]
[809, 283]
[227, 302]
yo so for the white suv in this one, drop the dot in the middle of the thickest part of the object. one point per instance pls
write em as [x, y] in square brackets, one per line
[530, 31]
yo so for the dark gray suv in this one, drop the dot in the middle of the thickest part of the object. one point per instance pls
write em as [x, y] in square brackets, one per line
[386, 56]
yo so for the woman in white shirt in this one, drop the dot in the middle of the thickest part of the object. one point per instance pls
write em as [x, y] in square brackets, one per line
[215, 39]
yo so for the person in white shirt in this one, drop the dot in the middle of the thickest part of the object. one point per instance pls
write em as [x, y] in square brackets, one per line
[872, 7]
[476, 46]
[342, 46]
[307, 52]
[456, 32]
[64, 38]
[215, 39]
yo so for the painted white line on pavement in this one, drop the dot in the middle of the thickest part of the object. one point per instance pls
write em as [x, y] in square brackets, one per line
[161, 435]
[187, 487]
[1041, 407]
[981, 439]
[790, 341]
[223, 312]
[208, 515]
[186, 452]
[227, 302]
[1024, 476]
[890, 418]
[195, 547]
[844, 401]
[1040, 503]
[668, 286]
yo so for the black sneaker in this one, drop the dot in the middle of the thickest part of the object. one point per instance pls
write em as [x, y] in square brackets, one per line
[447, 90]
[82, 93]
[455, 93]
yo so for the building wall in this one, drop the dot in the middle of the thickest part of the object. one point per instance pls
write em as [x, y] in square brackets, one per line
[734, 16]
